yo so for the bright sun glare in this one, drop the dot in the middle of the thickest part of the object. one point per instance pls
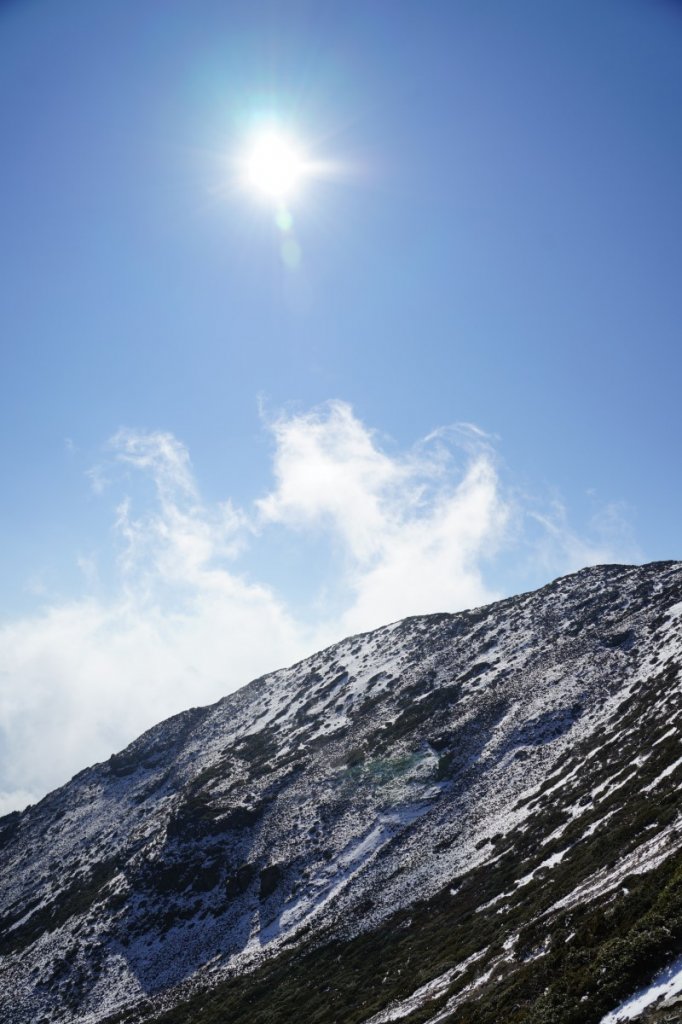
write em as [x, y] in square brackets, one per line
[274, 166]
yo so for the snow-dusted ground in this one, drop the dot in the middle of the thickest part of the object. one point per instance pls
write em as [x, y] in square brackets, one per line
[322, 798]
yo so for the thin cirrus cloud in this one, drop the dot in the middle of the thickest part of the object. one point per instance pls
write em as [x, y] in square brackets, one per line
[185, 621]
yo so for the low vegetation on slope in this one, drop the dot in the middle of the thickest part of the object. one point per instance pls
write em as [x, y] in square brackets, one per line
[523, 950]
[583, 966]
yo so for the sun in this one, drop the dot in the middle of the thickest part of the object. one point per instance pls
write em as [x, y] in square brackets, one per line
[274, 166]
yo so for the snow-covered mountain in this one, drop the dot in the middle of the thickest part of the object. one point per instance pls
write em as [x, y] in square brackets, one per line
[464, 818]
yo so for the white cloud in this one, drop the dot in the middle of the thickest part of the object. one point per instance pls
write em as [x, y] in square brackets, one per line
[559, 548]
[414, 529]
[82, 678]
[181, 541]
[183, 623]
[328, 467]
[98, 480]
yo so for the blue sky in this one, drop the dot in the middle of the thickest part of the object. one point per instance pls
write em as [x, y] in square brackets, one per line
[469, 385]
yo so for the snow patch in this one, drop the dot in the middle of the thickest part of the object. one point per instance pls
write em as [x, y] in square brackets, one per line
[666, 985]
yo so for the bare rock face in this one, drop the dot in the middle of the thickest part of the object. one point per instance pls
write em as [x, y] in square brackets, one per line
[466, 818]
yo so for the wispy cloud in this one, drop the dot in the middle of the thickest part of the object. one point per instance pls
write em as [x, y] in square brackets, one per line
[414, 527]
[184, 621]
[558, 548]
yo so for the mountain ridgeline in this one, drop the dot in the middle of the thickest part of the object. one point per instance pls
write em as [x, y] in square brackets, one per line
[469, 818]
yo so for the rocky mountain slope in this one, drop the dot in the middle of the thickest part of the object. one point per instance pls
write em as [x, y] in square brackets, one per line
[456, 818]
